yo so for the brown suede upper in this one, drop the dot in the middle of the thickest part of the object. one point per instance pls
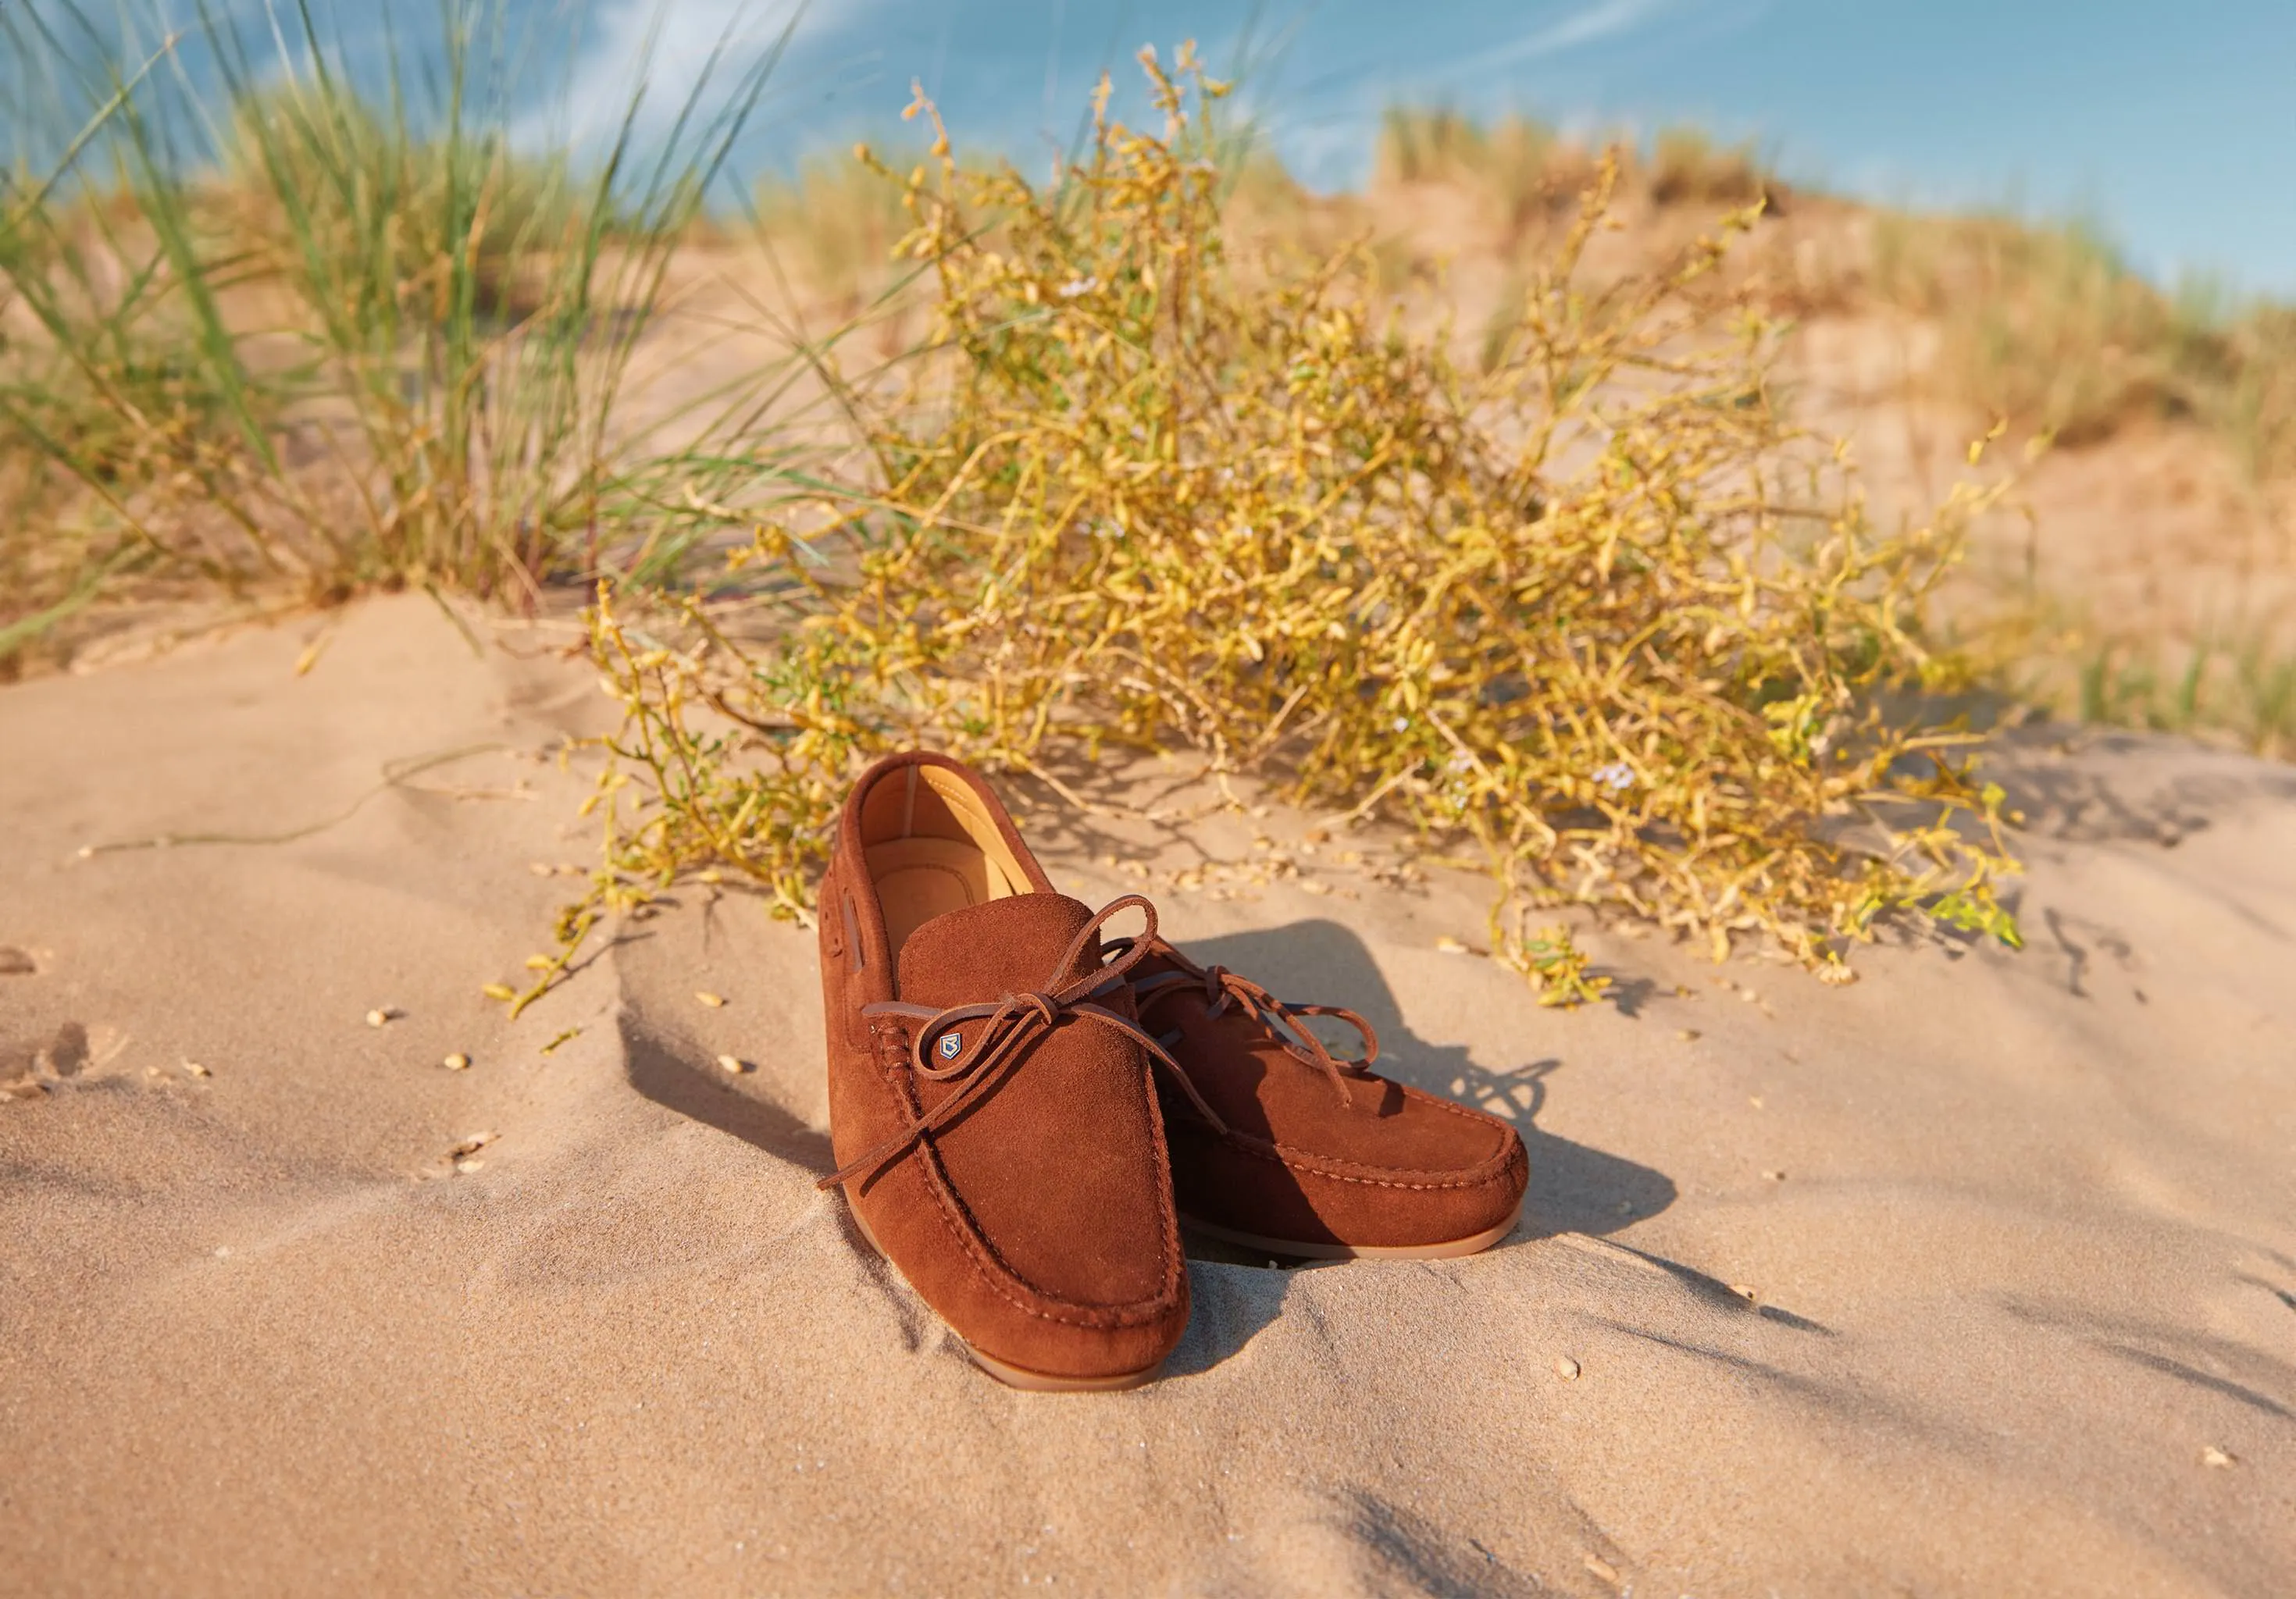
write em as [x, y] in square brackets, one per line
[1316, 1150]
[1036, 1217]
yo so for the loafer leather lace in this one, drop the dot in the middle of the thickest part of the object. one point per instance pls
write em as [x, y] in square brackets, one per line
[1007, 1028]
[1221, 989]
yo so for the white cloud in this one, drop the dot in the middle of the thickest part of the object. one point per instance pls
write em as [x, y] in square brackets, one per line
[1326, 153]
[665, 49]
[1604, 19]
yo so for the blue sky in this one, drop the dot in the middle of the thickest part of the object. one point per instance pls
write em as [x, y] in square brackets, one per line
[2172, 127]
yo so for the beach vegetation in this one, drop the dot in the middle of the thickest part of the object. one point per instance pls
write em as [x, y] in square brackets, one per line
[1592, 607]
[337, 335]
[1162, 454]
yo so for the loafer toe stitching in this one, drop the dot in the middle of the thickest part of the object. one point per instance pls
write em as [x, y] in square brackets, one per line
[1018, 1291]
[1482, 1174]
[1491, 1169]
[994, 1270]
[1010, 1285]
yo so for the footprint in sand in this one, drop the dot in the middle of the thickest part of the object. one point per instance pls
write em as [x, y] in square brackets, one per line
[30, 1067]
[27, 1066]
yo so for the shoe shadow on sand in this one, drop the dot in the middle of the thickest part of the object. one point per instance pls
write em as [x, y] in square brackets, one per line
[677, 1075]
[1573, 1188]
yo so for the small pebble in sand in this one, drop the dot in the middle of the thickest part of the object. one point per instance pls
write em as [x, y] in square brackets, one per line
[473, 1164]
[382, 1015]
[1743, 1291]
[1754, 1100]
[1451, 946]
[734, 1064]
[502, 992]
[457, 1062]
[223, 1251]
[472, 1145]
[1313, 887]
[196, 1070]
[713, 1001]
[16, 962]
[1688, 1035]
[1566, 1368]
[542, 868]
[1603, 1569]
[2210, 1456]
[1774, 1176]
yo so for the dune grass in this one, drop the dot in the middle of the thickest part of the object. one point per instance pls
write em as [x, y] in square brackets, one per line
[2238, 683]
[1588, 603]
[2045, 324]
[1594, 607]
[2045, 327]
[836, 221]
[1529, 172]
[270, 328]
[1596, 610]
[2041, 323]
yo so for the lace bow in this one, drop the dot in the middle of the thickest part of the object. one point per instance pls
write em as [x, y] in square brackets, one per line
[1221, 989]
[1007, 1028]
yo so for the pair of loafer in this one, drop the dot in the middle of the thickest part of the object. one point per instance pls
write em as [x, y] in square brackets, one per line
[1026, 1107]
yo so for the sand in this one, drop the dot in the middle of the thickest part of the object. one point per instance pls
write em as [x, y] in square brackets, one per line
[1977, 1276]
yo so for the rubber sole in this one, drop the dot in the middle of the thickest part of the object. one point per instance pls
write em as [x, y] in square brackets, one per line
[1020, 1376]
[1301, 1249]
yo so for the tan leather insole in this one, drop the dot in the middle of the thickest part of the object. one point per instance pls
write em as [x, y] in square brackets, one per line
[918, 879]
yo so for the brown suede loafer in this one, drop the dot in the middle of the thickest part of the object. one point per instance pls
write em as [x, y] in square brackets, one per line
[990, 1101]
[1305, 1154]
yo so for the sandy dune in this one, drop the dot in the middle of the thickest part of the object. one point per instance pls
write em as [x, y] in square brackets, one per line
[2017, 1313]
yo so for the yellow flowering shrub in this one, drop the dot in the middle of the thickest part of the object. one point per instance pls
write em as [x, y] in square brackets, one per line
[1588, 601]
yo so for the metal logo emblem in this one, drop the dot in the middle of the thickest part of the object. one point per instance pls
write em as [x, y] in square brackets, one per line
[950, 1046]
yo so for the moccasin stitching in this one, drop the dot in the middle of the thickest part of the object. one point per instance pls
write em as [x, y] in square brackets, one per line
[966, 1230]
[992, 1267]
[955, 1217]
[1483, 1173]
[1311, 1166]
